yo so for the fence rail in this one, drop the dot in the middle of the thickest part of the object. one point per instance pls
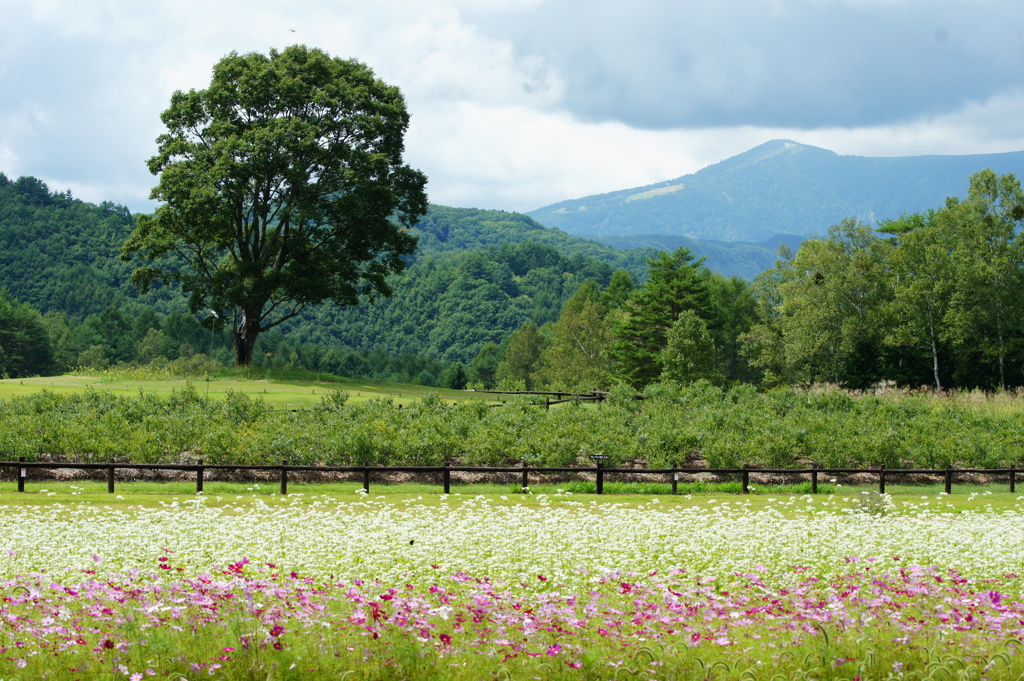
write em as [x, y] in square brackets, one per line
[949, 474]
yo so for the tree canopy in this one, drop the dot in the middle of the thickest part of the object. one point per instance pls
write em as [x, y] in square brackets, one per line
[24, 346]
[936, 301]
[282, 184]
[676, 283]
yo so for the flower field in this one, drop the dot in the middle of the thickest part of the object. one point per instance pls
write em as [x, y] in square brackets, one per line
[490, 588]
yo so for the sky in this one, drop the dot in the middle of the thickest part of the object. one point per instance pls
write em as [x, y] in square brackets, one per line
[517, 104]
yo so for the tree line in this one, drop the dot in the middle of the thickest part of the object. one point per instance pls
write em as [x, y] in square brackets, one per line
[927, 299]
[476, 277]
[681, 324]
[494, 300]
[931, 298]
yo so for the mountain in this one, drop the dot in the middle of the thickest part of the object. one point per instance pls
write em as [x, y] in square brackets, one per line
[778, 188]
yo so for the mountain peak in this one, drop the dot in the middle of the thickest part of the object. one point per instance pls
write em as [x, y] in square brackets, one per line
[769, 150]
[780, 186]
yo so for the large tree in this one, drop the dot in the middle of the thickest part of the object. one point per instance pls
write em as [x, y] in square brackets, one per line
[989, 259]
[577, 358]
[523, 351]
[923, 279]
[689, 353]
[281, 185]
[822, 312]
[676, 282]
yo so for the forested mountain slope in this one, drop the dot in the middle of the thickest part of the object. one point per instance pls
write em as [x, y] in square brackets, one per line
[59, 253]
[477, 276]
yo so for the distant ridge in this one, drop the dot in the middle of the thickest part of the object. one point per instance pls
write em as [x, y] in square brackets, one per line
[780, 187]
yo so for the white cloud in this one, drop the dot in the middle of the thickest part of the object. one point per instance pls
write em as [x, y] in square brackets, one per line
[518, 158]
[517, 103]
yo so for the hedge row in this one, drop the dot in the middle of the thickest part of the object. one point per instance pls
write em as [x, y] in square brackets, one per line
[674, 424]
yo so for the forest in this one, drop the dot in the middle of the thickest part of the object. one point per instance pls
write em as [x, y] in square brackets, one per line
[494, 299]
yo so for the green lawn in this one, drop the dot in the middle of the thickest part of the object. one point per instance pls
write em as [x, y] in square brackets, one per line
[905, 498]
[286, 392]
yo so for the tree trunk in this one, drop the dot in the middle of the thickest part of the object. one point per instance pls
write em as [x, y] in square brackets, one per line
[245, 331]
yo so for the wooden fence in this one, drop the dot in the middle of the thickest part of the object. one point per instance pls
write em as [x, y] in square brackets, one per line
[949, 474]
[561, 397]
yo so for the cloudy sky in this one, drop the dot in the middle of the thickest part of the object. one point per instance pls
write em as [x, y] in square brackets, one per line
[517, 104]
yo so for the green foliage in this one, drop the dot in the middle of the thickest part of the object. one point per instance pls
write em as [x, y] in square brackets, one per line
[676, 283]
[281, 185]
[477, 276]
[449, 304]
[521, 358]
[483, 370]
[455, 377]
[60, 253]
[696, 424]
[578, 356]
[25, 348]
[938, 302]
[689, 353]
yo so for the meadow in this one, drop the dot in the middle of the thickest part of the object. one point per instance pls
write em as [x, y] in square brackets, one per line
[330, 582]
[553, 586]
[281, 389]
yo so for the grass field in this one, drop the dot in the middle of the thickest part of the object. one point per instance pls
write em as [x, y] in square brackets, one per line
[288, 390]
[904, 498]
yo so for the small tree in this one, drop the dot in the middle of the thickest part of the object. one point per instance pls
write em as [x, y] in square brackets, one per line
[689, 354]
[455, 377]
[522, 357]
[282, 185]
[484, 367]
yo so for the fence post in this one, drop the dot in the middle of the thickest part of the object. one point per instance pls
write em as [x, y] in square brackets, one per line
[600, 478]
[110, 477]
[199, 477]
[284, 476]
[814, 478]
[447, 478]
[949, 479]
[21, 475]
[675, 479]
[746, 480]
[526, 477]
[1013, 478]
[366, 479]
[881, 479]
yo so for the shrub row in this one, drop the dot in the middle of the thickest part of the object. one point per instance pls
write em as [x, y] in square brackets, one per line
[673, 424]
